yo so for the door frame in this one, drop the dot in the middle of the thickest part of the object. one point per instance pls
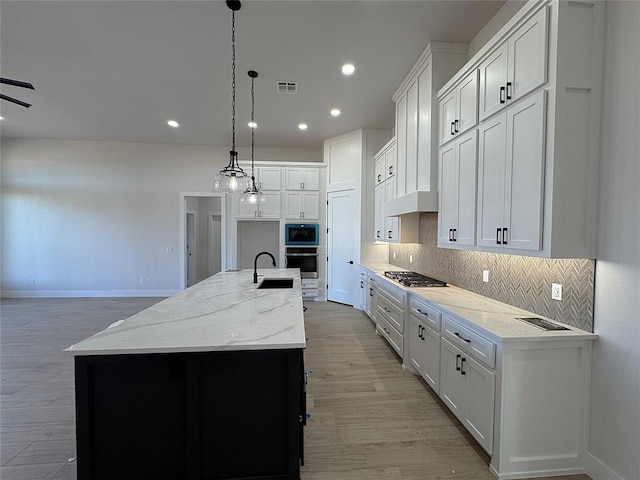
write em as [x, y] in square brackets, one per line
[182, 228]
[193, 248]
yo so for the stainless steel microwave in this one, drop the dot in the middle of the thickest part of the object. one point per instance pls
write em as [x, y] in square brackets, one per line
[301, 234]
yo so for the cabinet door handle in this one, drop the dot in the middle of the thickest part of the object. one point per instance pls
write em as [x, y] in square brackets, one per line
[420, 331]
[389, 233]
[502, 100]
[377, 233]
[455, 232]
[361, 284]
[458, 357]
[450, 233]
[462, 338]
[457, 123]
[390, 169]
[303, 185]
[379, 177]
[453, 128]
[509, 90]
[498, 230]
[370, 292]
[504, 235]
[462, 372]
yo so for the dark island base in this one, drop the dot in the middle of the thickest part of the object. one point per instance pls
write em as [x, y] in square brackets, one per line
[216, 415]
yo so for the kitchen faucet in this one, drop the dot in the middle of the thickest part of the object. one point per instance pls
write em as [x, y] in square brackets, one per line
[255, 265]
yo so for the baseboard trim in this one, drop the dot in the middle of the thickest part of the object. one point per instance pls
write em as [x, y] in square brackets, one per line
[86, 293]
[597, 470]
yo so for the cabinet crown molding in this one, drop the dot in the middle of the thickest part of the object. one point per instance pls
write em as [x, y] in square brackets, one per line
[431, 48]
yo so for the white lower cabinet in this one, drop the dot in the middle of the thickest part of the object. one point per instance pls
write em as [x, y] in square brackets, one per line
[310, 288]
[424, 342]
[468, 389]
[390, 303]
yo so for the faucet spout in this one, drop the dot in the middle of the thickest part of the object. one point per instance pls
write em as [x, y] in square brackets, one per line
[255, 265]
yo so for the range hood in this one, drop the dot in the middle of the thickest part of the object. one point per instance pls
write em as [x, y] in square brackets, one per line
[418, 201]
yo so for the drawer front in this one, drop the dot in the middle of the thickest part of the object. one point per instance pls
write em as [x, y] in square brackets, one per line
[476, 345]
[309, 283]
[428, 315]
[394, 315]
[391, 334]
[394, 295]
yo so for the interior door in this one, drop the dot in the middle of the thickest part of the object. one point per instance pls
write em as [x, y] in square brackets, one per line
[341, 263]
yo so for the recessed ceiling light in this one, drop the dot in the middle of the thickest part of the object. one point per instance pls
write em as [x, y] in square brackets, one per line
[303, 126]
[173, 123]
[335, 112]
[252, 124]
[348, 69]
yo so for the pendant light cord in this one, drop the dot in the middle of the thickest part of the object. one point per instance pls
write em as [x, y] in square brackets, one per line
[233, 81]
[253, 128]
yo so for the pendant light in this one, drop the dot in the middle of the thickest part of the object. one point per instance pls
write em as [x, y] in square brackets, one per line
[252, 195]
[232, 178]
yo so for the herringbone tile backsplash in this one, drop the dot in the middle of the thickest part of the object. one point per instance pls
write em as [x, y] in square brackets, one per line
[524, 282]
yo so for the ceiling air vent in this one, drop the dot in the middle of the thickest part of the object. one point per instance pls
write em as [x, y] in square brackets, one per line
[287, 87]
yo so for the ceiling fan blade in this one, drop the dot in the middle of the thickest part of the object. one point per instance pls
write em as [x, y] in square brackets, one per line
[16, 83]
[19, 102]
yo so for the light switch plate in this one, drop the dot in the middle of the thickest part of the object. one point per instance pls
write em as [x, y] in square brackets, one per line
[485, 275]
[410, 258]
[556, 291]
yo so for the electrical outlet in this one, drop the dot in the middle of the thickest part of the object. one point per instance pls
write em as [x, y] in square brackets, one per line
[33, 281]
[169, 249]
[394, 255]
[410, 258]
[485, 276]
[556, 291]
[142, 280]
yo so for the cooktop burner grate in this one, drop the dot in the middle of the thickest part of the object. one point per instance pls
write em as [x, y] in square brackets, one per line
[413, 279]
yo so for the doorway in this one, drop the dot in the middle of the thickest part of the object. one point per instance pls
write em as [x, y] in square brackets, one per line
[202, 236]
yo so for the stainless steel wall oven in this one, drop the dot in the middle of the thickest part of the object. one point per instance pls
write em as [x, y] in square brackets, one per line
[304, 258]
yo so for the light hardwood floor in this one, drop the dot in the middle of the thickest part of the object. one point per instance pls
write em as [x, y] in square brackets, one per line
[370, 419]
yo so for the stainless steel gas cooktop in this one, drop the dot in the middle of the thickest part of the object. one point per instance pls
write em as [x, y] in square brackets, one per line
[413, 279]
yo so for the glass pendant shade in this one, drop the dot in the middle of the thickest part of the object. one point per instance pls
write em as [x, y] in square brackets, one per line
[253, 196]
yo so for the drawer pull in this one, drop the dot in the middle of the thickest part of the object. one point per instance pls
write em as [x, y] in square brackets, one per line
[422, 313]
[458, 356]
[462, 372]
[462, 338]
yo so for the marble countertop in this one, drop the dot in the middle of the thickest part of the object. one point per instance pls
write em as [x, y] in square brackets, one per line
[223, 312]
[487, 316]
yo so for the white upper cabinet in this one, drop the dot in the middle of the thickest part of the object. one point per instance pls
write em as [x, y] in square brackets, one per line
[459, 109]
[269, 178]
[516, 67]
[458, 173]
[269, 210]
[511, 177]
[302, 178]
[539, 104]
[302, 205]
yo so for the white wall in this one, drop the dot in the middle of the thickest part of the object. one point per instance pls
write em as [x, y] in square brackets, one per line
[502, 16]
[614, 440]
[92, 218]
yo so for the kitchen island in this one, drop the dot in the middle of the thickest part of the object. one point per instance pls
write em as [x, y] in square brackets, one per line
[206, 384]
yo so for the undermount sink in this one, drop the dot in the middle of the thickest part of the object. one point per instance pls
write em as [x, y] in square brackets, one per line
[276, 283]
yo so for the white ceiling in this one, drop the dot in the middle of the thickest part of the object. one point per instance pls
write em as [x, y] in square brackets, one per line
[117, 71]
